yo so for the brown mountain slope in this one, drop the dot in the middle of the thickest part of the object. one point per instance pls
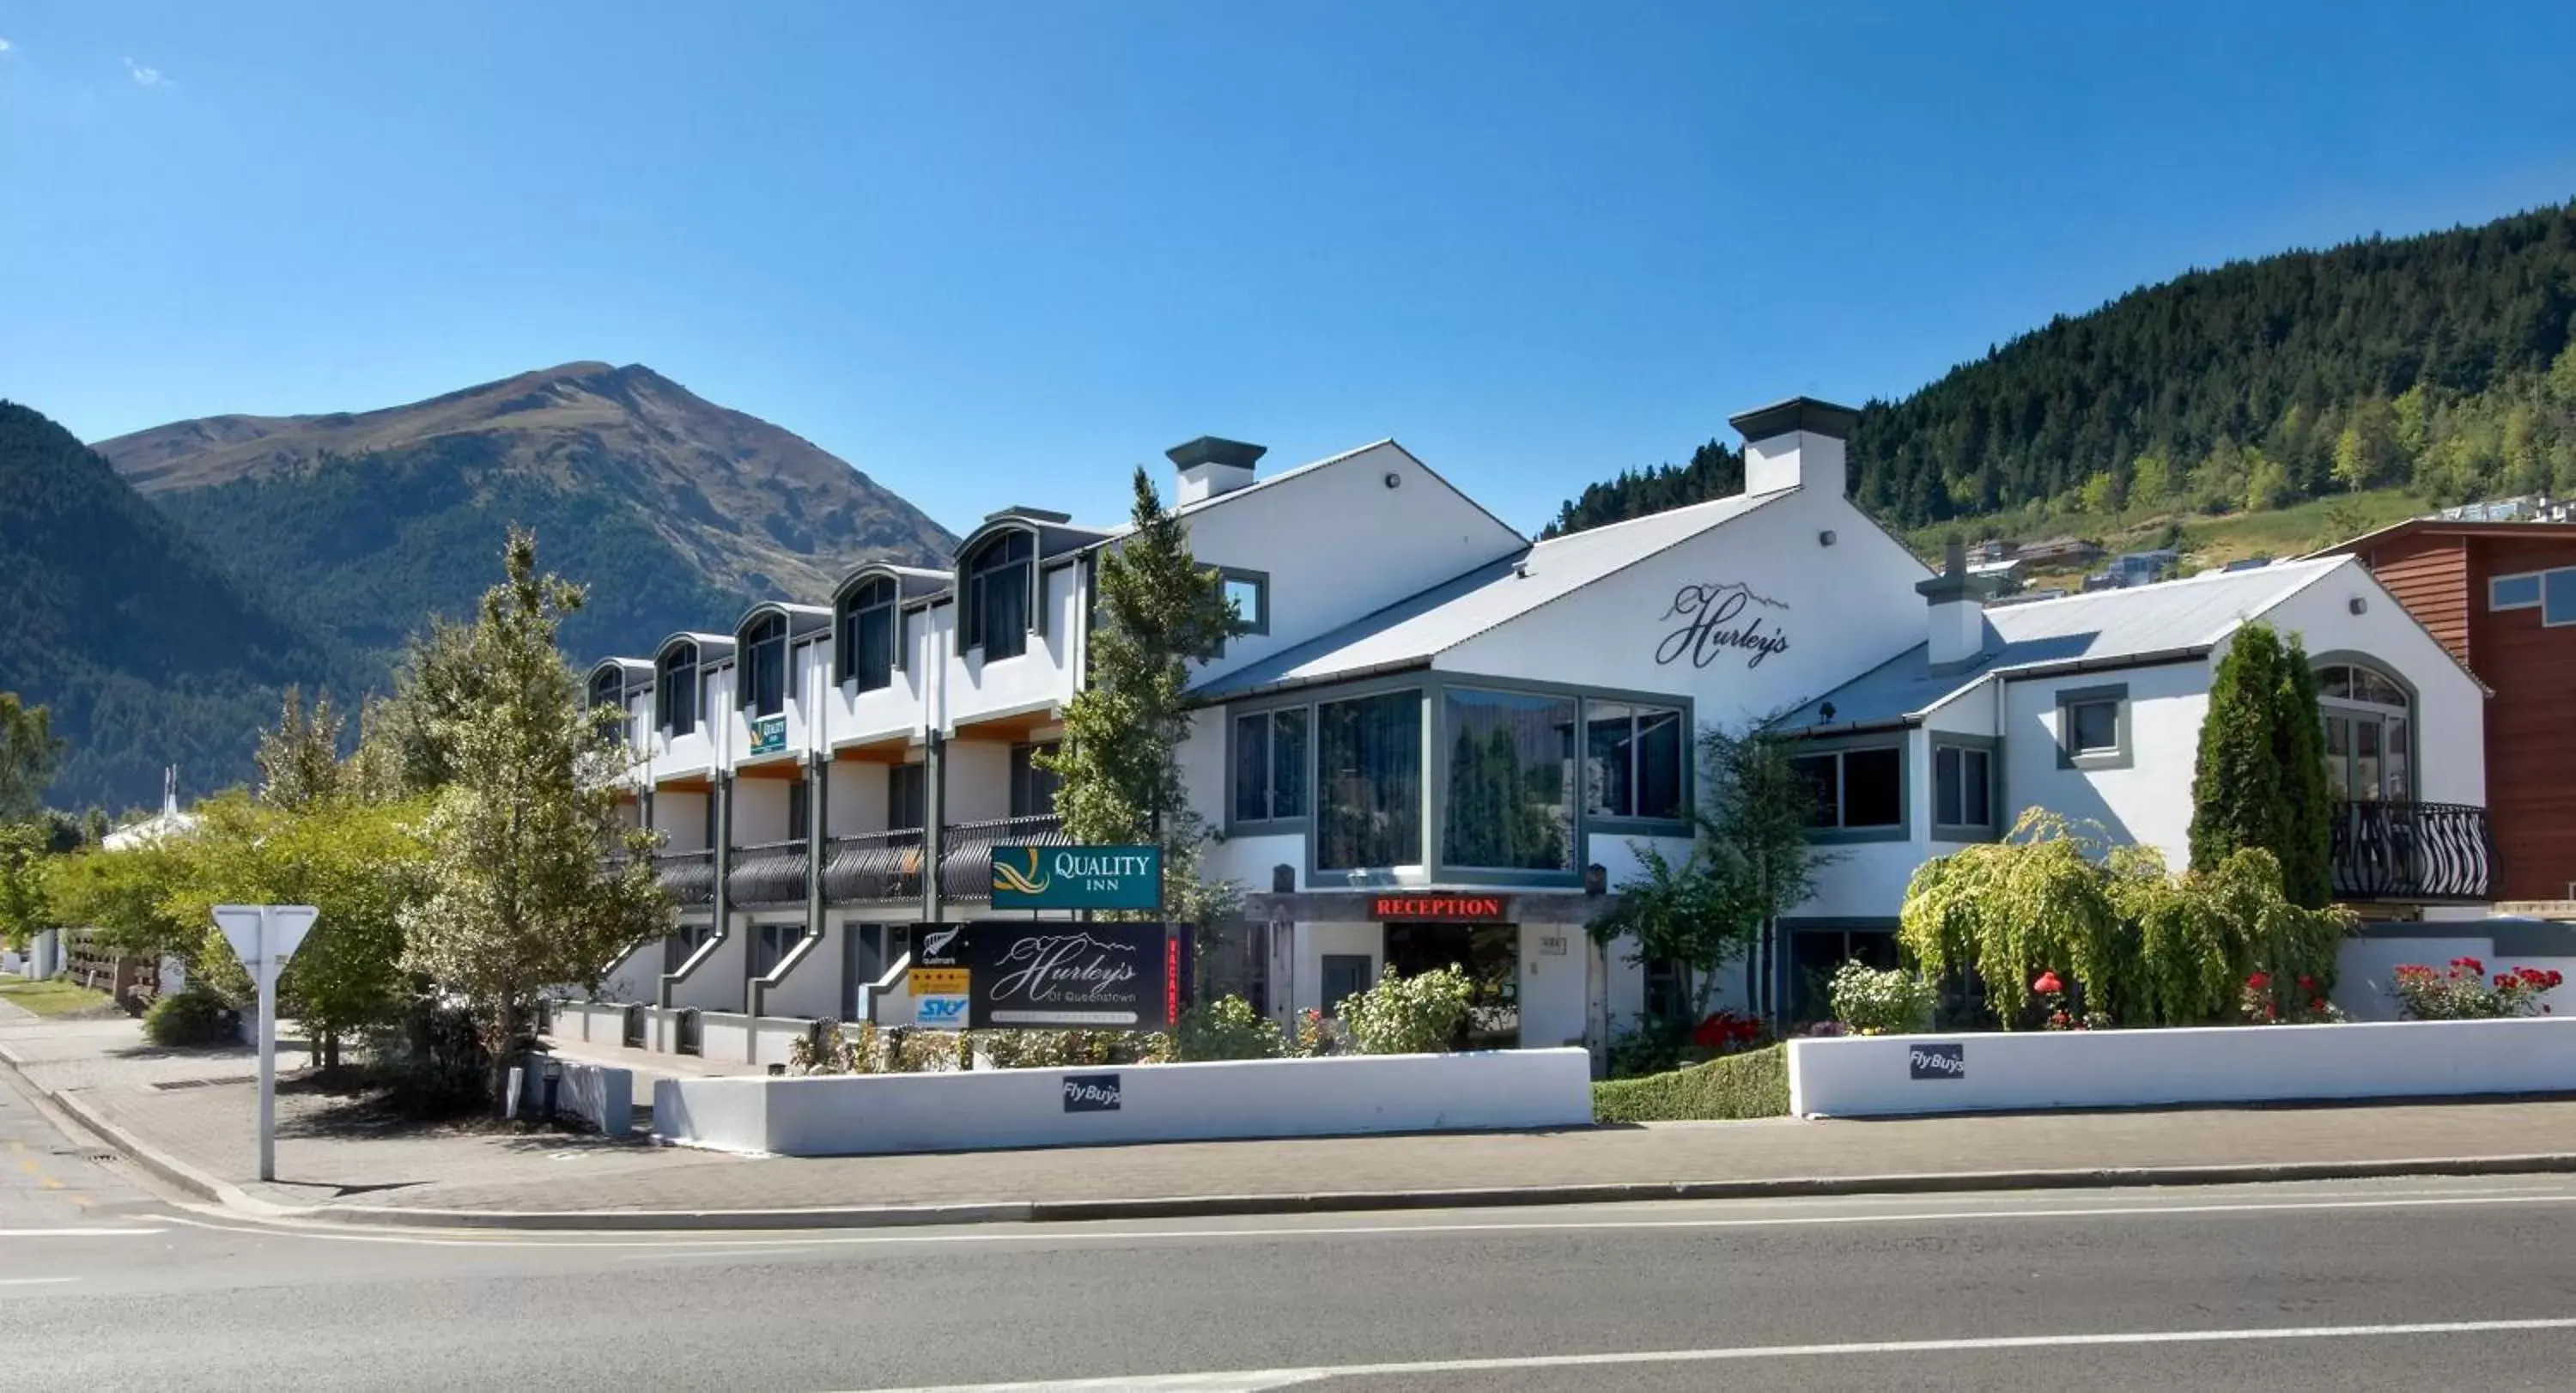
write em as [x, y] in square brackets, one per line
[754, 510]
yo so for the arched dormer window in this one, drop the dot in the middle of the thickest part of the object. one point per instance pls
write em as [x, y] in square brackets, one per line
[866, 637]
[675, 689]
[764, 666]
[996, 607]
[608, 687]
[2369, 733]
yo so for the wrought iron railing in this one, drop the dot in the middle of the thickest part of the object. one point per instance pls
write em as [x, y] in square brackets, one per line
[773, 873]
[2413, 853]
[876, 866]
[966, 860]
[688, 876]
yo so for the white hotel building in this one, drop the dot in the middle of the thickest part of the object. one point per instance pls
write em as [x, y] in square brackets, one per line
[1443, 742]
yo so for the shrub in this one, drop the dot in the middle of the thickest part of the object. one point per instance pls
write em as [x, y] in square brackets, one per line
[1419, 1014]
[2267, 1002]
[1725, 1032]
[1874, 1002]
[1752, 1084]
[1651, 1046]
[191, 1018]
[835, 1049]
[1227, 1028]
[2464, 994]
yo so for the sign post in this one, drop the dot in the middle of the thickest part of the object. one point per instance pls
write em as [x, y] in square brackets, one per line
[264, 936]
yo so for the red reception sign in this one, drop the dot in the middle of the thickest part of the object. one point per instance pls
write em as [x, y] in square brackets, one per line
[1481, 908]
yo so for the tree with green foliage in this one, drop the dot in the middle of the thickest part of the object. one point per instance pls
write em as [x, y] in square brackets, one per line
[299, 758]
[28, 749]
[1160, 610]
[125, 897]
[532, 880]
[24, 849]
[2261, 779]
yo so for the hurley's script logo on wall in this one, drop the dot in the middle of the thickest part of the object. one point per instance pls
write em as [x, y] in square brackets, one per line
[1722, 618]
[1066, 970]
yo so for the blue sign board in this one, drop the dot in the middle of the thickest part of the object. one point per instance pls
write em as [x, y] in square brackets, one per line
[768, 734]
[1076, 877]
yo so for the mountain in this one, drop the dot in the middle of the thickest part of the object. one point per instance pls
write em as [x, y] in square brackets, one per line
[144, 647]
[676, 512]
[2441, 363]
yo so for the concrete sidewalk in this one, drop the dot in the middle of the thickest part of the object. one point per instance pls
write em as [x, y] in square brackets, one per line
[191, 1115]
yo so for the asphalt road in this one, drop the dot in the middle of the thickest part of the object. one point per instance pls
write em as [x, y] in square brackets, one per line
[2383, 1285]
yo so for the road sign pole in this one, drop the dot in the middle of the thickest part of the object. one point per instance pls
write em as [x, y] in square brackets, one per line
[267, 1046]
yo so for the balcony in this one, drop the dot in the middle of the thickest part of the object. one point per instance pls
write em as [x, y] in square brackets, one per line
[769, 874]
[688, 876]
[966, 863]
[2413, 853]
[876, 866]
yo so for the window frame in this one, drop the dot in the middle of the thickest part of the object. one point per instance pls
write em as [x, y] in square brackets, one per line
[1990, 751]
[1572, 768]
[976, 574]
[2549, 581]
[920, 776]
[1634, 822]
[1026, 774]
[2539, 591]
[1273, 821]
[1255, 625]
[671, 680]
[1839, 748]
[873, 596]
[2123, 752]
[762, 655]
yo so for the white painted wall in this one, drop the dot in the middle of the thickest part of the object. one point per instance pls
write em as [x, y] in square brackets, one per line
[724, 1035]
[2450, 725]
[869, 1114]
[635, 975]
[979, 780]
[1872, 1076]
[854, 797]
[808, 983]
[760, 810]
[2148, 802]
[850, 716]
[681, 818]
[1553, 986]
[972, 687]
[713, 980]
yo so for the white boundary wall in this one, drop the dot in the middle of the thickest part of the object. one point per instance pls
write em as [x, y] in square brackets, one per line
[860, 1114]
[1881, 1076]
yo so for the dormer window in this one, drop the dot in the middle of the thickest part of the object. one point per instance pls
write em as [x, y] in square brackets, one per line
[608, 688]
[995, 610]
[764, 666]
[863, 644]
[675, 690]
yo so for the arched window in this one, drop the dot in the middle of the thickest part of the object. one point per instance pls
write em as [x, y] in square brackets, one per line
[995, 610]
[764, 666]
[608, 687]
[2369, 733]
[864, 639]
[675, 689]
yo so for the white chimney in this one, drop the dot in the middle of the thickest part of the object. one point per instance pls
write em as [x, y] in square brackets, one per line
[1210, 466]
[1958, 603]
[1796, 442]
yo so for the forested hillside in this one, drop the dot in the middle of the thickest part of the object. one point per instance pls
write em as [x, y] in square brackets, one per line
[2444, 363]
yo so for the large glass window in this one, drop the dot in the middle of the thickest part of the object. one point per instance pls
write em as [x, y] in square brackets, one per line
[1856, 788]
[764, 666]
[1368, 761]
[1510, 804]
[2558, 598]
[1962, 787]
[675, 691]
[2366, 715]
[864, 645]
[608, 688]
[997, 604]
[1033, 785]
[1633, 760]
[1270, 765]
[907, 796]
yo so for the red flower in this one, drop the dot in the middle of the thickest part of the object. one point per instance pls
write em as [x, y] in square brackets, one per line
[2469, 964]
[2504, 979]
[2556, 977]
[2047, 984]
[2316, 1003]
[2307, 983]
[2260, 981]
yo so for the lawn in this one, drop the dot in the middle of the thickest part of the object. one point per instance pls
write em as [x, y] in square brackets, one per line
[2205, 541]
[53, 998]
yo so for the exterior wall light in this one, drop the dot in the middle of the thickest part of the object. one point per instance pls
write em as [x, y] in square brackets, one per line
[1825, 538]
[2359, 604]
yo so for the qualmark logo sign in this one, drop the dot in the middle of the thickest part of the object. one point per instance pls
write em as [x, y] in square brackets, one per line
[1091, 1093]
[1939, 1061]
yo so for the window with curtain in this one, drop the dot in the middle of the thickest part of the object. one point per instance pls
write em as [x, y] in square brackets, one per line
[907, 796]
[675, 695]
[1510, 803]
[764, 666]
[1962, 787]
[864, 643]
[1368, 765]
[1033, 785]
[1270, 765]
[1633, 760]
[997, 604]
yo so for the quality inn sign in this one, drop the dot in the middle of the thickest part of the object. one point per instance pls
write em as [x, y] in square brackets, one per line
[1076, 877]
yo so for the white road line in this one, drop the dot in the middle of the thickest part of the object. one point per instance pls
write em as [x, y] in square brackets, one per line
[34, 1281]
[740, 1239]
[78, 1233]
[1247, 1380]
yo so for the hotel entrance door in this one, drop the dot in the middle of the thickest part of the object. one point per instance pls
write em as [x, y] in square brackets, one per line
[1490, 955]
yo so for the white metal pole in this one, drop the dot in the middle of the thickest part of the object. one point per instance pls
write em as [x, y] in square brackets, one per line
[267, 1048]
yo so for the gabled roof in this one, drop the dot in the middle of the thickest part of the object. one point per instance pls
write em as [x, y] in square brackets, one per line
[2178, 619]
[1410, 632]
[1189, 510]
[2440, 527]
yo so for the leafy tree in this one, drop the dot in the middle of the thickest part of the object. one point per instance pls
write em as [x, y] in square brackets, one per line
[2101, 494]
[2267, 484]
[23, 850]
[299, 759]
[526, 886]
[2150, 479]
[2260, 779]
[1160, 610]
[125, 897]
[28, 750]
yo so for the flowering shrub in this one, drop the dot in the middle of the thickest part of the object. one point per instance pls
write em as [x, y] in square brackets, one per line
[1409, 1015]
[1227, 1028]
[1874, 1002]
[2464, 993]
[2264, 1002]
[1725, 1031]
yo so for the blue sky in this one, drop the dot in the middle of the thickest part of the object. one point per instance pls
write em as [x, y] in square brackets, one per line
[999, 253]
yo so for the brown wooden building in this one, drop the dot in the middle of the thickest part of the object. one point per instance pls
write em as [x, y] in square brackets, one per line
[2502, 597]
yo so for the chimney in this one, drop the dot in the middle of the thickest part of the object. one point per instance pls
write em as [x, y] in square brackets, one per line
[1795, 442]
[1211, 466]
[1958, 603]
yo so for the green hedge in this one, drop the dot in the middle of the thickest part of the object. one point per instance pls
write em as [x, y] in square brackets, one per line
[1752, 1084]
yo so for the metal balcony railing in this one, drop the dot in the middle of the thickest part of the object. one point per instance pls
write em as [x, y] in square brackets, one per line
[874, 866]
[2413, 853]
[773, 873]
[966, 862]
[688, 876]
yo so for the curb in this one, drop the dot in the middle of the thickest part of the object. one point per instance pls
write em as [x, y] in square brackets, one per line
[1205, 1206]
[168, 1169]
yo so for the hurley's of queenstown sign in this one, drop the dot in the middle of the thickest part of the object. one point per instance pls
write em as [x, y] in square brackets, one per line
[1719, 619]
[1083, 976]
[1076, 877]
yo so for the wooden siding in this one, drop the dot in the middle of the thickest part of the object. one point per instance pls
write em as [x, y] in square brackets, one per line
[2428, 573]
[2531, 722]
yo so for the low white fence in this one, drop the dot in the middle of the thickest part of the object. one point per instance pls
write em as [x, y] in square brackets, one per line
[1902, 1075]
[864, 1114]
[595, 1094]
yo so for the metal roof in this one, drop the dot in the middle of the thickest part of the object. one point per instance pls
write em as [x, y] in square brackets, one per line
[1409, 632]
[2102, 628]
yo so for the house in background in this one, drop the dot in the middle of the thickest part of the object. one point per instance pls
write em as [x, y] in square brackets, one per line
[2501, 596]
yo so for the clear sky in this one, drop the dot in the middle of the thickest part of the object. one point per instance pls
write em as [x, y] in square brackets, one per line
[998, 253]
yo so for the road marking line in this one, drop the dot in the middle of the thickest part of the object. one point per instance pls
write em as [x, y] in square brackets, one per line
[34, 1281]
[738, 1238]
[78, 1233]
[1253, 1379]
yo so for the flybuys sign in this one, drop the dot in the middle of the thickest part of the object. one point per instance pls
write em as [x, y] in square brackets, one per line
[1091, 1093]
[1076, 877]
[1944, 1061]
